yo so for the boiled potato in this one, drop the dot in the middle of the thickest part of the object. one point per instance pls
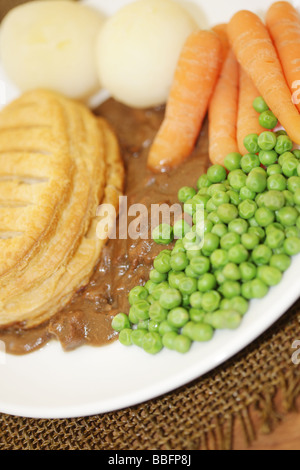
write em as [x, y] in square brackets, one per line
[138, 49]
[51, 44]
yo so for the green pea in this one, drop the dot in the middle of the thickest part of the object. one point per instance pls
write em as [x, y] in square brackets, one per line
[234, 196]
[292, 246]
[277, 182]
[170, 299]
[268, 120]
[210, 244]
[152, 343]
[285, 156]
[292, 232]
[178, 317]
[203, 182]
[229, 240]
[200, 265]
[162, 264]
[178, 247]
[238, 254]
[139, 312]
[281, 262]
[269, 275]
[264, 216]
[125, 337]
[250, 161]
[289, 167]
[179, 262]
[248, 271]
[238, 226]
[216, 174]
[196, 300]
[169, 339]
[174, 279]
[137, 294]
[219, 259]
[287, 216]
[227, 213]
[120, 322]
[157, 313]
[191, 241]
[211, 301]
[261, 255]
[220, 198]
[207, 282]
[251, 144]
[230, 289]
[137, 337]
[247, 209]
[274, 200]
[163, 234]
[260, 105]
[188, 286]
[294, 183]
[159, 289]
[240, 305]
[186, 193]
[283, 144]
[232, 272]
[197, 315]
[237, 179]
[157, 277]
[268, 157]
[258, 289]
[182, 344]
[275, 239]
[219, 230]
[256, 181]
[214, 217]
[250, 240]
[233, 161]
[259, 231]
[274, 170]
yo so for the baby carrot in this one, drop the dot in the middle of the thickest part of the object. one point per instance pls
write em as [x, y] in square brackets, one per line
[254, 50]
[195, 77]
[247, 121]
[223, 112]
[221, 31]
[283, 23]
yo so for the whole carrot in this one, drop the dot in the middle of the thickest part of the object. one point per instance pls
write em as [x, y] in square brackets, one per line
[223, 112]
[247, 121]
[257, 55]
[195, 77]
[283, 23]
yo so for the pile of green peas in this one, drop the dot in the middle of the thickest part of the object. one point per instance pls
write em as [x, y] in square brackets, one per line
[251, 230]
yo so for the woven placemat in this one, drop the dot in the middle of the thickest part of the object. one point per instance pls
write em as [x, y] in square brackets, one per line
[197, 416]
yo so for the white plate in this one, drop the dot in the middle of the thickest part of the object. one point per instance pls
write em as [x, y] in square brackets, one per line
[54, 384]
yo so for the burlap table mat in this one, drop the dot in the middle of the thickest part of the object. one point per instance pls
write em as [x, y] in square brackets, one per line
[195, 416]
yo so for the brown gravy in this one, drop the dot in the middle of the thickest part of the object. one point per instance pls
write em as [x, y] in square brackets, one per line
[124, 263]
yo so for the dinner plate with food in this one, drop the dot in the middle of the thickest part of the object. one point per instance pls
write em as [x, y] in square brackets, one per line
[149, 195]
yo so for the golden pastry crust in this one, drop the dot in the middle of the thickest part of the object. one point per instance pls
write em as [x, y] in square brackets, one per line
[62, 266]
[34, 151]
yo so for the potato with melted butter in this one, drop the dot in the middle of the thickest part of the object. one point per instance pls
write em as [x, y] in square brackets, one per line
[138, 49]
[46, 44]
